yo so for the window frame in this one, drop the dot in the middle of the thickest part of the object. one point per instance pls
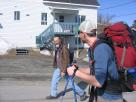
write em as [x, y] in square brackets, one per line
[16, 15]
[43, 18]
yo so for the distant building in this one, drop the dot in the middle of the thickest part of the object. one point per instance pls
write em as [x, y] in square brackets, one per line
[23, 20]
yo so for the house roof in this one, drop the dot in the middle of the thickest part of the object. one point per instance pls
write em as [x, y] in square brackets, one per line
[86, 2]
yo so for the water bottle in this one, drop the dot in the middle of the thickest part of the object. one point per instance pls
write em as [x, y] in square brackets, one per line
[132, 72]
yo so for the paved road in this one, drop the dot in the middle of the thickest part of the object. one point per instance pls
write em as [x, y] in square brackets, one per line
[27, 79]
[30, 91]
[36, 91]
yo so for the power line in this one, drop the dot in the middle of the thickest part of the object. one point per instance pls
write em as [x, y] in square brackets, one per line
[126, 14]
[122, 4]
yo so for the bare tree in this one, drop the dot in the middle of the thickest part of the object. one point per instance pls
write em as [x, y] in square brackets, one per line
[103, 21]
[134, 24]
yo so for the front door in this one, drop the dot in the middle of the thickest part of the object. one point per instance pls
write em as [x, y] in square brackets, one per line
[61, 18]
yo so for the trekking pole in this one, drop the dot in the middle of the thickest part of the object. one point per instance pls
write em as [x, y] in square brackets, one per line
[74, 91]
[64, 92]
[70, 78]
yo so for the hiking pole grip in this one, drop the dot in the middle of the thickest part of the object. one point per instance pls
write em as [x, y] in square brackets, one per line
[74, 63]
[76, 68]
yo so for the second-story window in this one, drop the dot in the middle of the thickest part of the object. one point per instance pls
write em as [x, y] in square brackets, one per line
[16, 15]
[43, 18]
[61, 18]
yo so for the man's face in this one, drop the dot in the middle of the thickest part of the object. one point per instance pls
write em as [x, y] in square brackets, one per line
[82, 37]
[56, 41]
[87, 39]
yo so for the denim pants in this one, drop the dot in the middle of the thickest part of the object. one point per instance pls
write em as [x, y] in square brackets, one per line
[55, 80]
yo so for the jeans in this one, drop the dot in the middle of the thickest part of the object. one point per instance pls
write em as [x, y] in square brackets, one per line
[55, 80]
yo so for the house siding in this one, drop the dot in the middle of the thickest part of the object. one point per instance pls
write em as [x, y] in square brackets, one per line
[91, 14]
[23, 32]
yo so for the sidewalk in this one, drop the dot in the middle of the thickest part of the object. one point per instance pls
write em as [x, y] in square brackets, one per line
[28, 66]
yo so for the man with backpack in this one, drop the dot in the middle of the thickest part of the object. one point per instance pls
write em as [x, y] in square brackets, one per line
[102, 73]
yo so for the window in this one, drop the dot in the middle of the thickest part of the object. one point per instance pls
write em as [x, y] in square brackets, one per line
[61, 18]
[77, 19]
[43, 18]
[16, 15]
[80, 18]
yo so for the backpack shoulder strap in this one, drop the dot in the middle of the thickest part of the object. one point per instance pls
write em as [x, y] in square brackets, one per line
[92, 89]
[100, 41]
[91, 50]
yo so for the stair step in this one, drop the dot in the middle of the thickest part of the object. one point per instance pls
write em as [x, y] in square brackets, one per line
[22, 51]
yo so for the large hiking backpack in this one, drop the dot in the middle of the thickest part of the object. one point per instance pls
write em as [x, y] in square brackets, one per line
[119, 37]
[122, 40]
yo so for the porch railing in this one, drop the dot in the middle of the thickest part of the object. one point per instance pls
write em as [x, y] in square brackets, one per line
[65, 29]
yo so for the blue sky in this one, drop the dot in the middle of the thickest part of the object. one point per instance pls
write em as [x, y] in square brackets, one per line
[123, 10]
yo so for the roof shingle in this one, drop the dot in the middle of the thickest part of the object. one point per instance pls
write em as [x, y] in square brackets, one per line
[86, 2]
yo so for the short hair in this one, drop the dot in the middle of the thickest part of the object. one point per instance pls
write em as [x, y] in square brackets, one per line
[59, 36]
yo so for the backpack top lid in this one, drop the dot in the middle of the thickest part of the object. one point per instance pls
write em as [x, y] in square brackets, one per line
[118, 32]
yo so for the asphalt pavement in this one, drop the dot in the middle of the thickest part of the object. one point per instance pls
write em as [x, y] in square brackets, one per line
[30, 91]
[26, 78]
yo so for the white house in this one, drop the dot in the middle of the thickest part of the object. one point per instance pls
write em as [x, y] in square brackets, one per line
[22, 20]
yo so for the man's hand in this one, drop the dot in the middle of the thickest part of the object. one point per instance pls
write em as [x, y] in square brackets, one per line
[70, 70]
[62, 74]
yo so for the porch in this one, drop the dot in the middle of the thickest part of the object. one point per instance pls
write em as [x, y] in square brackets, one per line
[57, 28]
